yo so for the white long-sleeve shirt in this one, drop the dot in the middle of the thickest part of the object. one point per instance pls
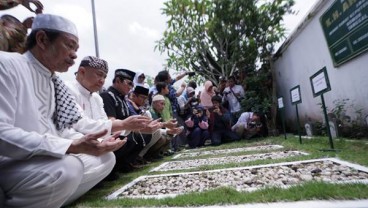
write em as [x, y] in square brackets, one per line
[233, 101]
[243, 120]
[94, 117]
[27, 103]
[91, 103]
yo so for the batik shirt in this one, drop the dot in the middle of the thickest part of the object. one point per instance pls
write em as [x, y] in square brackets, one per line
[172, 97]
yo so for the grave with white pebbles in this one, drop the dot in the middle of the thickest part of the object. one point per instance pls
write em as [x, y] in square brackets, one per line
[200, 152]
[189, 164]
[250, 178]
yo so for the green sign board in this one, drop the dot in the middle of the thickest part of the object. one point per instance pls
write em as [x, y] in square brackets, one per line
[345, 26]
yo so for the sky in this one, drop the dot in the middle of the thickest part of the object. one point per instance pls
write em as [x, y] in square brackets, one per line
[127, 30]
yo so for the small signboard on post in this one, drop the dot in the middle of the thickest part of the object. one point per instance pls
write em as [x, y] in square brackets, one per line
[321, 84]
[295, 95]
[296, 98]
[280, 102]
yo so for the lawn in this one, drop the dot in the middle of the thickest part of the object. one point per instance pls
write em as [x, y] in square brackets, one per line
[355, 151]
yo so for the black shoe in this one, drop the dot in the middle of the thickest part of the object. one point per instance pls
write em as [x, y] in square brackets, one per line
[136, 166]
[169, 153]
[112, 176]
[126, 168]
[141, 161]
[156, 158]
[100, 185]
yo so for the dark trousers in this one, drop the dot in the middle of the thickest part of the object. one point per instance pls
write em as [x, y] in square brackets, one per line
[129, 152]
[180, 139]
[197, 137]
[222, 136]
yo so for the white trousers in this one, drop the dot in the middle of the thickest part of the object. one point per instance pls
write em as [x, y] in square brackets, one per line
[155, 137]
[51, 182]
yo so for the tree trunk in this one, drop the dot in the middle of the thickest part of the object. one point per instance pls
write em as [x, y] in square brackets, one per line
[274, 98]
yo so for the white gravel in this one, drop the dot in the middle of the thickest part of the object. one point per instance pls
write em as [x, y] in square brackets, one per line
[245, 179]
[201, 152]
[189, 164]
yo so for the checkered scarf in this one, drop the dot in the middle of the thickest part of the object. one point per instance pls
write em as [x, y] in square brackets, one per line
[66, 112]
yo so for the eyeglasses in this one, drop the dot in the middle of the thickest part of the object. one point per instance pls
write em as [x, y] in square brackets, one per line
[128, 82]
[143, 97]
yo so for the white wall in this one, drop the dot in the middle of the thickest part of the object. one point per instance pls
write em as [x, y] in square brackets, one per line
[307, 53]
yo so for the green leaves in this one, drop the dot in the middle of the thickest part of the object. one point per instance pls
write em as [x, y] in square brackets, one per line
[234, 33]
[218, 37]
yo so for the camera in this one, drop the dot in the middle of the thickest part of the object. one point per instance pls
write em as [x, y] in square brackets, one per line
[226, 92]
[194, 102]
[199, 111]
[190, 74]
[254, 124]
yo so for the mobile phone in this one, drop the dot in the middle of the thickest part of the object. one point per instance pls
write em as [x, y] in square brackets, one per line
[143, 112]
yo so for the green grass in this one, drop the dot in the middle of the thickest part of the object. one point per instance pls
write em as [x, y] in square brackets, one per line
[355, 152]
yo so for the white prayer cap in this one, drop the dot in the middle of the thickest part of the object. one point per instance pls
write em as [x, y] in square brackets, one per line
[158, 98]
[54, 22]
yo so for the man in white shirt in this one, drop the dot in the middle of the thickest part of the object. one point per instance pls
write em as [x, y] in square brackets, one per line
[90, 78]
[233, 94]
[38, 166]
[248, 125]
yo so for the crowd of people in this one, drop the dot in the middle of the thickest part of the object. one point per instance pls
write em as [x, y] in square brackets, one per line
[59, 139]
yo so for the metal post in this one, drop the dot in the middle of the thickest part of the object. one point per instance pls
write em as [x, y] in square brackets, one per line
[283, 121]
[327, 123]
[95, 28]
[297, 117]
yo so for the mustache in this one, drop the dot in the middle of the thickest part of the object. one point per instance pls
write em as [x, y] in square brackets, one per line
[70, 61]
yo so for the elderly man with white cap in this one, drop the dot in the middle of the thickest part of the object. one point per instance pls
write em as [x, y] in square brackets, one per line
[166, 133]
[43, 161]
[90, 78]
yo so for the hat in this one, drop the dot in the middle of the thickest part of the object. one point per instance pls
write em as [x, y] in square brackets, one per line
[158, 98]
[54, 22]
[94, 62]
[190, 90]
[139, 90]
[125, 73]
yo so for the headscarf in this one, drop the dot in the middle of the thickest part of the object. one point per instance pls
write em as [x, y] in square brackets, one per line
[136, 83]
[207, 95]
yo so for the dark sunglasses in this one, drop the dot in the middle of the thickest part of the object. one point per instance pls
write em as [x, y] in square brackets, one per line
[128, 82]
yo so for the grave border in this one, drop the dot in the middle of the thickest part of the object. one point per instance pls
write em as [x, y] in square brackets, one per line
[115, 195]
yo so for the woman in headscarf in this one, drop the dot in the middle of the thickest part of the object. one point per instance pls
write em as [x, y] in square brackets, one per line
[207, 94]
[139, 80]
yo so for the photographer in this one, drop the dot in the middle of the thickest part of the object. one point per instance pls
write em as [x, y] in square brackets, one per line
[185, 103]
[197, 127]
[249, 125]
[220, 123]
[233, 94]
